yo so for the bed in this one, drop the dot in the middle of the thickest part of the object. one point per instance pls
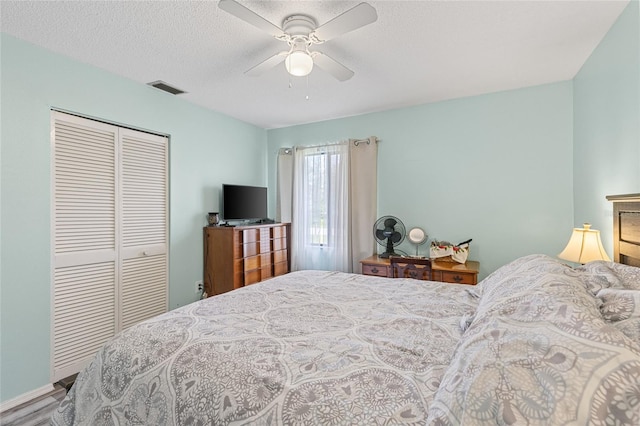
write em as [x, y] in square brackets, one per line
[536, 342]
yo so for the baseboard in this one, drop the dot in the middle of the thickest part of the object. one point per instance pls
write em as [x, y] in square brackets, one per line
[67, 382]
[25, 397]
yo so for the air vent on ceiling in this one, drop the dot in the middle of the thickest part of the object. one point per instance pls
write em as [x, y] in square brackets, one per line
[164, 86]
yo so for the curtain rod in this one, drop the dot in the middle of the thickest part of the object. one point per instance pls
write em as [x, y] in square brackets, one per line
[357, 142]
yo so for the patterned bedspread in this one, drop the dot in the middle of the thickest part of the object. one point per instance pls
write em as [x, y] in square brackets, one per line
[306, 347]
[528, 345]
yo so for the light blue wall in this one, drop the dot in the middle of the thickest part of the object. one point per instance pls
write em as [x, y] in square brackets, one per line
[495, 168]
[206, 149]
[607, 124]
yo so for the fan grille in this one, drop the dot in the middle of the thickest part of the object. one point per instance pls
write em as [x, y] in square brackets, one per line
[389, 232]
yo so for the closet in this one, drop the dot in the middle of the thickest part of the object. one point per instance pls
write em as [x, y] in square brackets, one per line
[109, 228]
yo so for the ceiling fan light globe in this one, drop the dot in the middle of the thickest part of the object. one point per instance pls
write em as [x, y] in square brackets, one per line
[298, 63]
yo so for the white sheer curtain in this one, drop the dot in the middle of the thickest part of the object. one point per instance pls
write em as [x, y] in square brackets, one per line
[330, 195]
[321, 210]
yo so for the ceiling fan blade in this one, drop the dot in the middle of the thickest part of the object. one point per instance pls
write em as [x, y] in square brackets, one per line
[249, 16]
[332, 66]
[354, 18]
[267, 64]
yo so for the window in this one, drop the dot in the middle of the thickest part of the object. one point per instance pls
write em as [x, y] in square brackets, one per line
[317, 183]
[320, 205]
[329, 194]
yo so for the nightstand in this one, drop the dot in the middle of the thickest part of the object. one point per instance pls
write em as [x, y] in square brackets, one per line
[447, 272]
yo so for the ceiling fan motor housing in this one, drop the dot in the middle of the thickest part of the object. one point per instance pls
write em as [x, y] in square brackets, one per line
[299, 25]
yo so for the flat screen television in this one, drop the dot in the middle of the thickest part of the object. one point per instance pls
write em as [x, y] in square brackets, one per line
[246, 203]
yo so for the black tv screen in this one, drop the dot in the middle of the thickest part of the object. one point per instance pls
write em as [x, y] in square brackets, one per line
[240, 202]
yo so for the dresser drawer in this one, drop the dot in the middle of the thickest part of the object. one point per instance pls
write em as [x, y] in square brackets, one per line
[457, 277]
[265, 272]
[250, 235]
[279, 232]
[279, 256]
[252, 277]
[279, 244]
[280, 269]
[251, 263]
[380, 271]
[250, 249]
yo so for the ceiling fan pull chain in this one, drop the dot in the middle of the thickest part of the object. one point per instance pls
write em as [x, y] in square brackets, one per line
[307, 97]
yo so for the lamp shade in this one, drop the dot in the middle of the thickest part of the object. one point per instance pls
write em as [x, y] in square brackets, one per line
[584, 246]
[298, 63]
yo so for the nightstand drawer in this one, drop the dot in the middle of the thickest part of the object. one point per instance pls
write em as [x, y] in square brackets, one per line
[380, 271]
[457, 277]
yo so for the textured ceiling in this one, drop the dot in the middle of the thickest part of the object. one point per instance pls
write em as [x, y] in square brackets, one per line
[416, 52]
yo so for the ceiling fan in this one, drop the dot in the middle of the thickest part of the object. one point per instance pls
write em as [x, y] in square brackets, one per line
[301, 32]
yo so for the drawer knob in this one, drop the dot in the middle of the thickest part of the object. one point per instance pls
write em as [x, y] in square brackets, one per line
[374, 270]
[457, 278]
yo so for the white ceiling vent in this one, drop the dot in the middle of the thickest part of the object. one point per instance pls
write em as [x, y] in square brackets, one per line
[159, 84]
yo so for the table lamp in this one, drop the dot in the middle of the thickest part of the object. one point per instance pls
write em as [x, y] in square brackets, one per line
[584, 246]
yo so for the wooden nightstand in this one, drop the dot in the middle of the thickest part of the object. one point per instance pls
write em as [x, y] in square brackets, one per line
[447, 272]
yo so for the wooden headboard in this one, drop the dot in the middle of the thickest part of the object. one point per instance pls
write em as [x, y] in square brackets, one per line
[626, 228]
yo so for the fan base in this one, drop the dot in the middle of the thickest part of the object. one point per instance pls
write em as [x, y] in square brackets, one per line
[386, 254]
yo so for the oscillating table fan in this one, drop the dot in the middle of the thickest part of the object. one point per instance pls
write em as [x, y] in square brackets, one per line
[389, 231]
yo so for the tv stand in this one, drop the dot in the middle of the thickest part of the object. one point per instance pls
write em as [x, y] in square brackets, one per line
[236, 256]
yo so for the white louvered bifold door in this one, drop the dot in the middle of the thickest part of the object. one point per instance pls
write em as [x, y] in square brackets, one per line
[109, 235]
[144, 226]
[84, 240]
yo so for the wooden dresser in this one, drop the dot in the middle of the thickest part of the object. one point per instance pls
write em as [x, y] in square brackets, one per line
[448, 272]
[243, 255]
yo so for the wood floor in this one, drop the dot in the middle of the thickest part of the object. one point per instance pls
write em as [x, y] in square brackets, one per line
[36, 412]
